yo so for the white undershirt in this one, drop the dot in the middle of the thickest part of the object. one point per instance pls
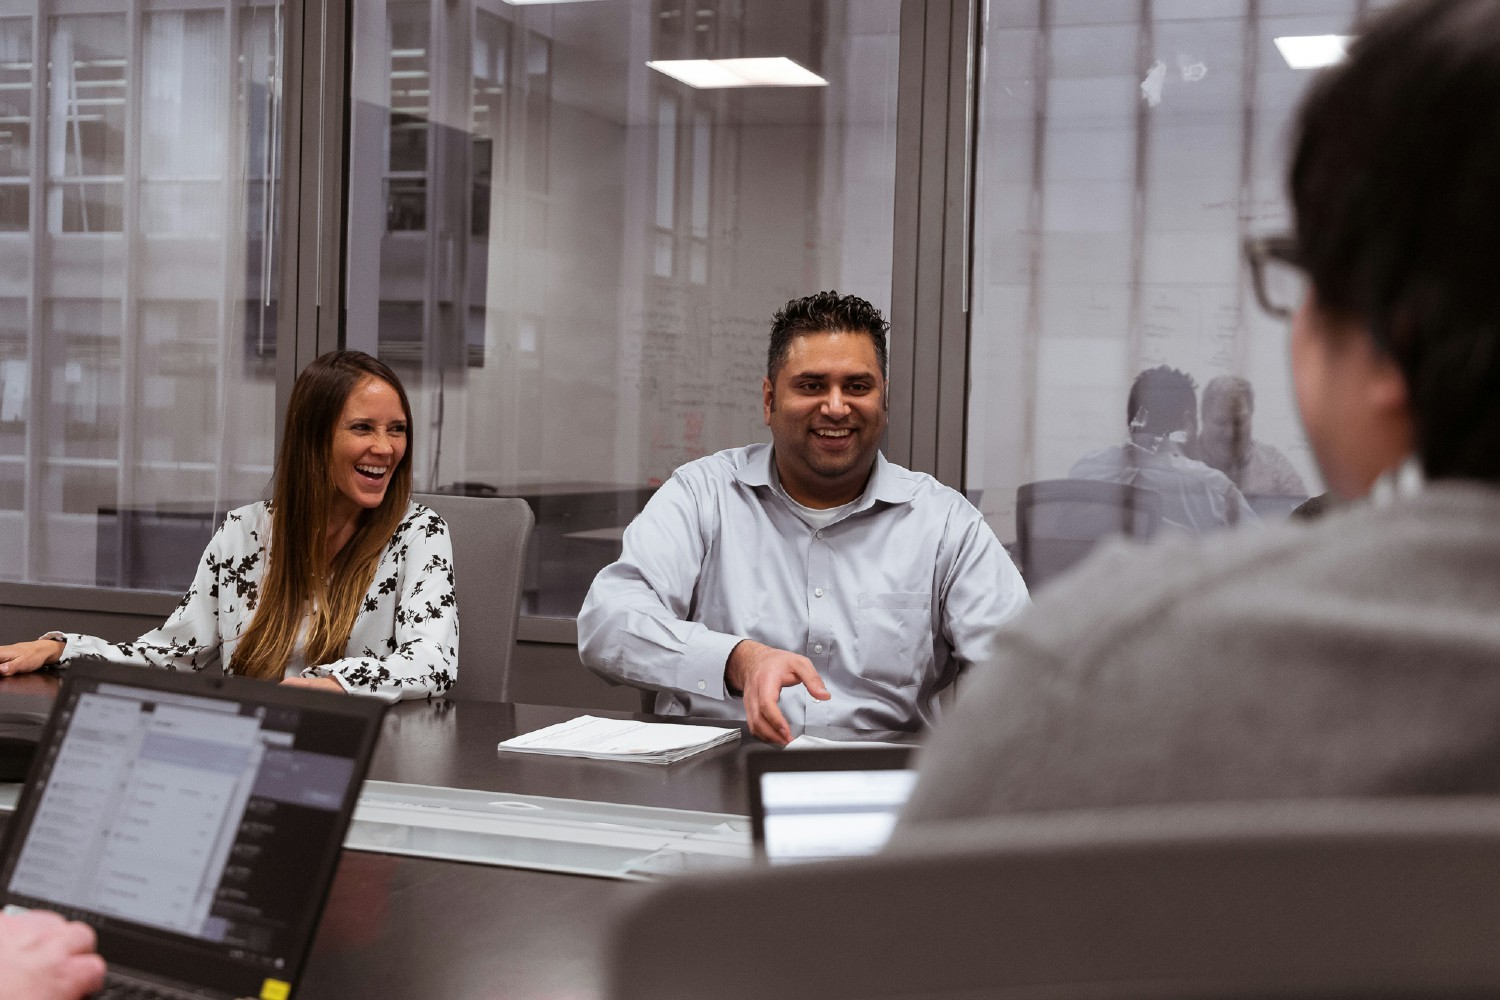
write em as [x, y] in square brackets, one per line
[819, 519]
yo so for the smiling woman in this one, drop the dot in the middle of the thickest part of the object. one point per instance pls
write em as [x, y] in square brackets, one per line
[340, 581]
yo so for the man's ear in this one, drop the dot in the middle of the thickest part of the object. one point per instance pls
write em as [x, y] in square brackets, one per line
[1385, 385]
[767, 398]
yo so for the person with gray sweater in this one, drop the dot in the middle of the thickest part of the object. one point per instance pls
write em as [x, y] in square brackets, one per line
[1354, 655]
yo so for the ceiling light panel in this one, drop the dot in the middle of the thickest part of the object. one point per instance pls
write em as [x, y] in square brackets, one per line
[1313, 51]
[715, 74]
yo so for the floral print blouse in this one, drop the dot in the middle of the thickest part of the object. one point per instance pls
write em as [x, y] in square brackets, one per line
[404, 643]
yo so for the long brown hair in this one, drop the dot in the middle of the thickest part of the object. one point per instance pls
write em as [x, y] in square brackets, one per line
[299, 574]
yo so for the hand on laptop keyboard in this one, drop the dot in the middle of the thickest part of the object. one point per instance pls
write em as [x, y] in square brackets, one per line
[44, 957]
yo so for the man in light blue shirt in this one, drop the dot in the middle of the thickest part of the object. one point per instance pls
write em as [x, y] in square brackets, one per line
[809, 581]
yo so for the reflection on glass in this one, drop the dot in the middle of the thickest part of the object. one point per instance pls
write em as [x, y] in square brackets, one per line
[1227, 442]
[15, 125]
[14, 377]
[1120, 164]
[1192, 496]
[15, 207]
[185, 132]
[572, 260]
[84, 389]
[88, 208]
[86, 123]
[137, 350]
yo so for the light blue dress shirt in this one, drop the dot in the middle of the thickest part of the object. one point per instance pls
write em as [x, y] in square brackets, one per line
[1194, 497]
[888, 601]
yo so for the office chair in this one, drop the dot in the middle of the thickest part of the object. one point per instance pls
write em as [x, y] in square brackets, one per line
[1059, 521]
[489, 560]
[1313, 900]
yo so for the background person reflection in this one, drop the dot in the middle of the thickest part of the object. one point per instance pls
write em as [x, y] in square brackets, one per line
[1162, 417]
[1226, 442]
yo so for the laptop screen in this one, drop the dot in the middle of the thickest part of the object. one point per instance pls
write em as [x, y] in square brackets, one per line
[194, 826]
[809, 805]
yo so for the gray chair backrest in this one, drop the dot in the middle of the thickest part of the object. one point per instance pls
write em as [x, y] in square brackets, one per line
[489, 558]
[1292, 899]
[1059, 521]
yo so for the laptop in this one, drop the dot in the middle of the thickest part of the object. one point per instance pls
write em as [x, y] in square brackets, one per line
[1273, 506]
[193, 820]
[829, 802]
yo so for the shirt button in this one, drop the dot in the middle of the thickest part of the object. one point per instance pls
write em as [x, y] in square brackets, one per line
[818, 592]
[703, 685]
[818, 648]
[817, 534]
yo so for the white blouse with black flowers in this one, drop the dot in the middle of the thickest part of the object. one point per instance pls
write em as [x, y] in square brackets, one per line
[404, 643]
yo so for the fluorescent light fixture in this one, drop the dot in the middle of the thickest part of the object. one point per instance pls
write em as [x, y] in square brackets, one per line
[1313, 51]
[713, 74]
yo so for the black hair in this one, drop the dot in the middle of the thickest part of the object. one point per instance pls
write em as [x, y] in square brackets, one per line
[825, 312]
[1395, 183]
[1162, 400]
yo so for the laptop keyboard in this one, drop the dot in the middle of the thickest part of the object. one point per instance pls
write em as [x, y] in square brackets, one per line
[118, 987]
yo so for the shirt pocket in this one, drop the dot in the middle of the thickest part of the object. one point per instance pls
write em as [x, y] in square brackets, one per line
[893, 637]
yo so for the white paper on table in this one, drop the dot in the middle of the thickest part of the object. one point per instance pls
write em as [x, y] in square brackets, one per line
[589, 736]
[805, 742]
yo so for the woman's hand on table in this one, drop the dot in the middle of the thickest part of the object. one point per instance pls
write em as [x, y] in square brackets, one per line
[318, 683]
[24, 657]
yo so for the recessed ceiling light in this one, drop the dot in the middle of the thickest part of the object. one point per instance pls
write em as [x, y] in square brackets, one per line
[711, 74]
[1313, 51]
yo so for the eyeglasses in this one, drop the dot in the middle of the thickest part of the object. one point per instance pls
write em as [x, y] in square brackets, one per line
[1276, 273]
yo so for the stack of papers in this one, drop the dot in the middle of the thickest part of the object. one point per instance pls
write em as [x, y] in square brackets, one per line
[621, 739]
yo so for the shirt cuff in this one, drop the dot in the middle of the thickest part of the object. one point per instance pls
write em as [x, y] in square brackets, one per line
[703, 664]
[67, 644]
[323, 670]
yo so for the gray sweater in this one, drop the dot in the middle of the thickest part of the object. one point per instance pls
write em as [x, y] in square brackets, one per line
[1357, 655]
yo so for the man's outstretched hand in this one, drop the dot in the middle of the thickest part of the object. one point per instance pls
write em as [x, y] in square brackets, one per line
[761, 672]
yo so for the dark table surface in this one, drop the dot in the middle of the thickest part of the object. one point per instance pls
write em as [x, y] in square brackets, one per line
[408, 927]
[415, 928]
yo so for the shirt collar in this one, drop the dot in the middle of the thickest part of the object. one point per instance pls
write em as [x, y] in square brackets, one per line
[886, 484]
[1405, 480]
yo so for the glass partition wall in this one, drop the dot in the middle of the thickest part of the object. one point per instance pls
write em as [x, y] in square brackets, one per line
[138, 207]
[567, 231]
[571, 252]
[1125, 151]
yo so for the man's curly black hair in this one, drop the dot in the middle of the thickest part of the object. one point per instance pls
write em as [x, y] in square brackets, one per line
[825, 312]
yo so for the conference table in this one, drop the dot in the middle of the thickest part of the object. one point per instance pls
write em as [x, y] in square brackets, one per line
[398, 926]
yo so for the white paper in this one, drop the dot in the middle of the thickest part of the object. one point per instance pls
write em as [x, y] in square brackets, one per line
[805, 742]
[620, 739]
